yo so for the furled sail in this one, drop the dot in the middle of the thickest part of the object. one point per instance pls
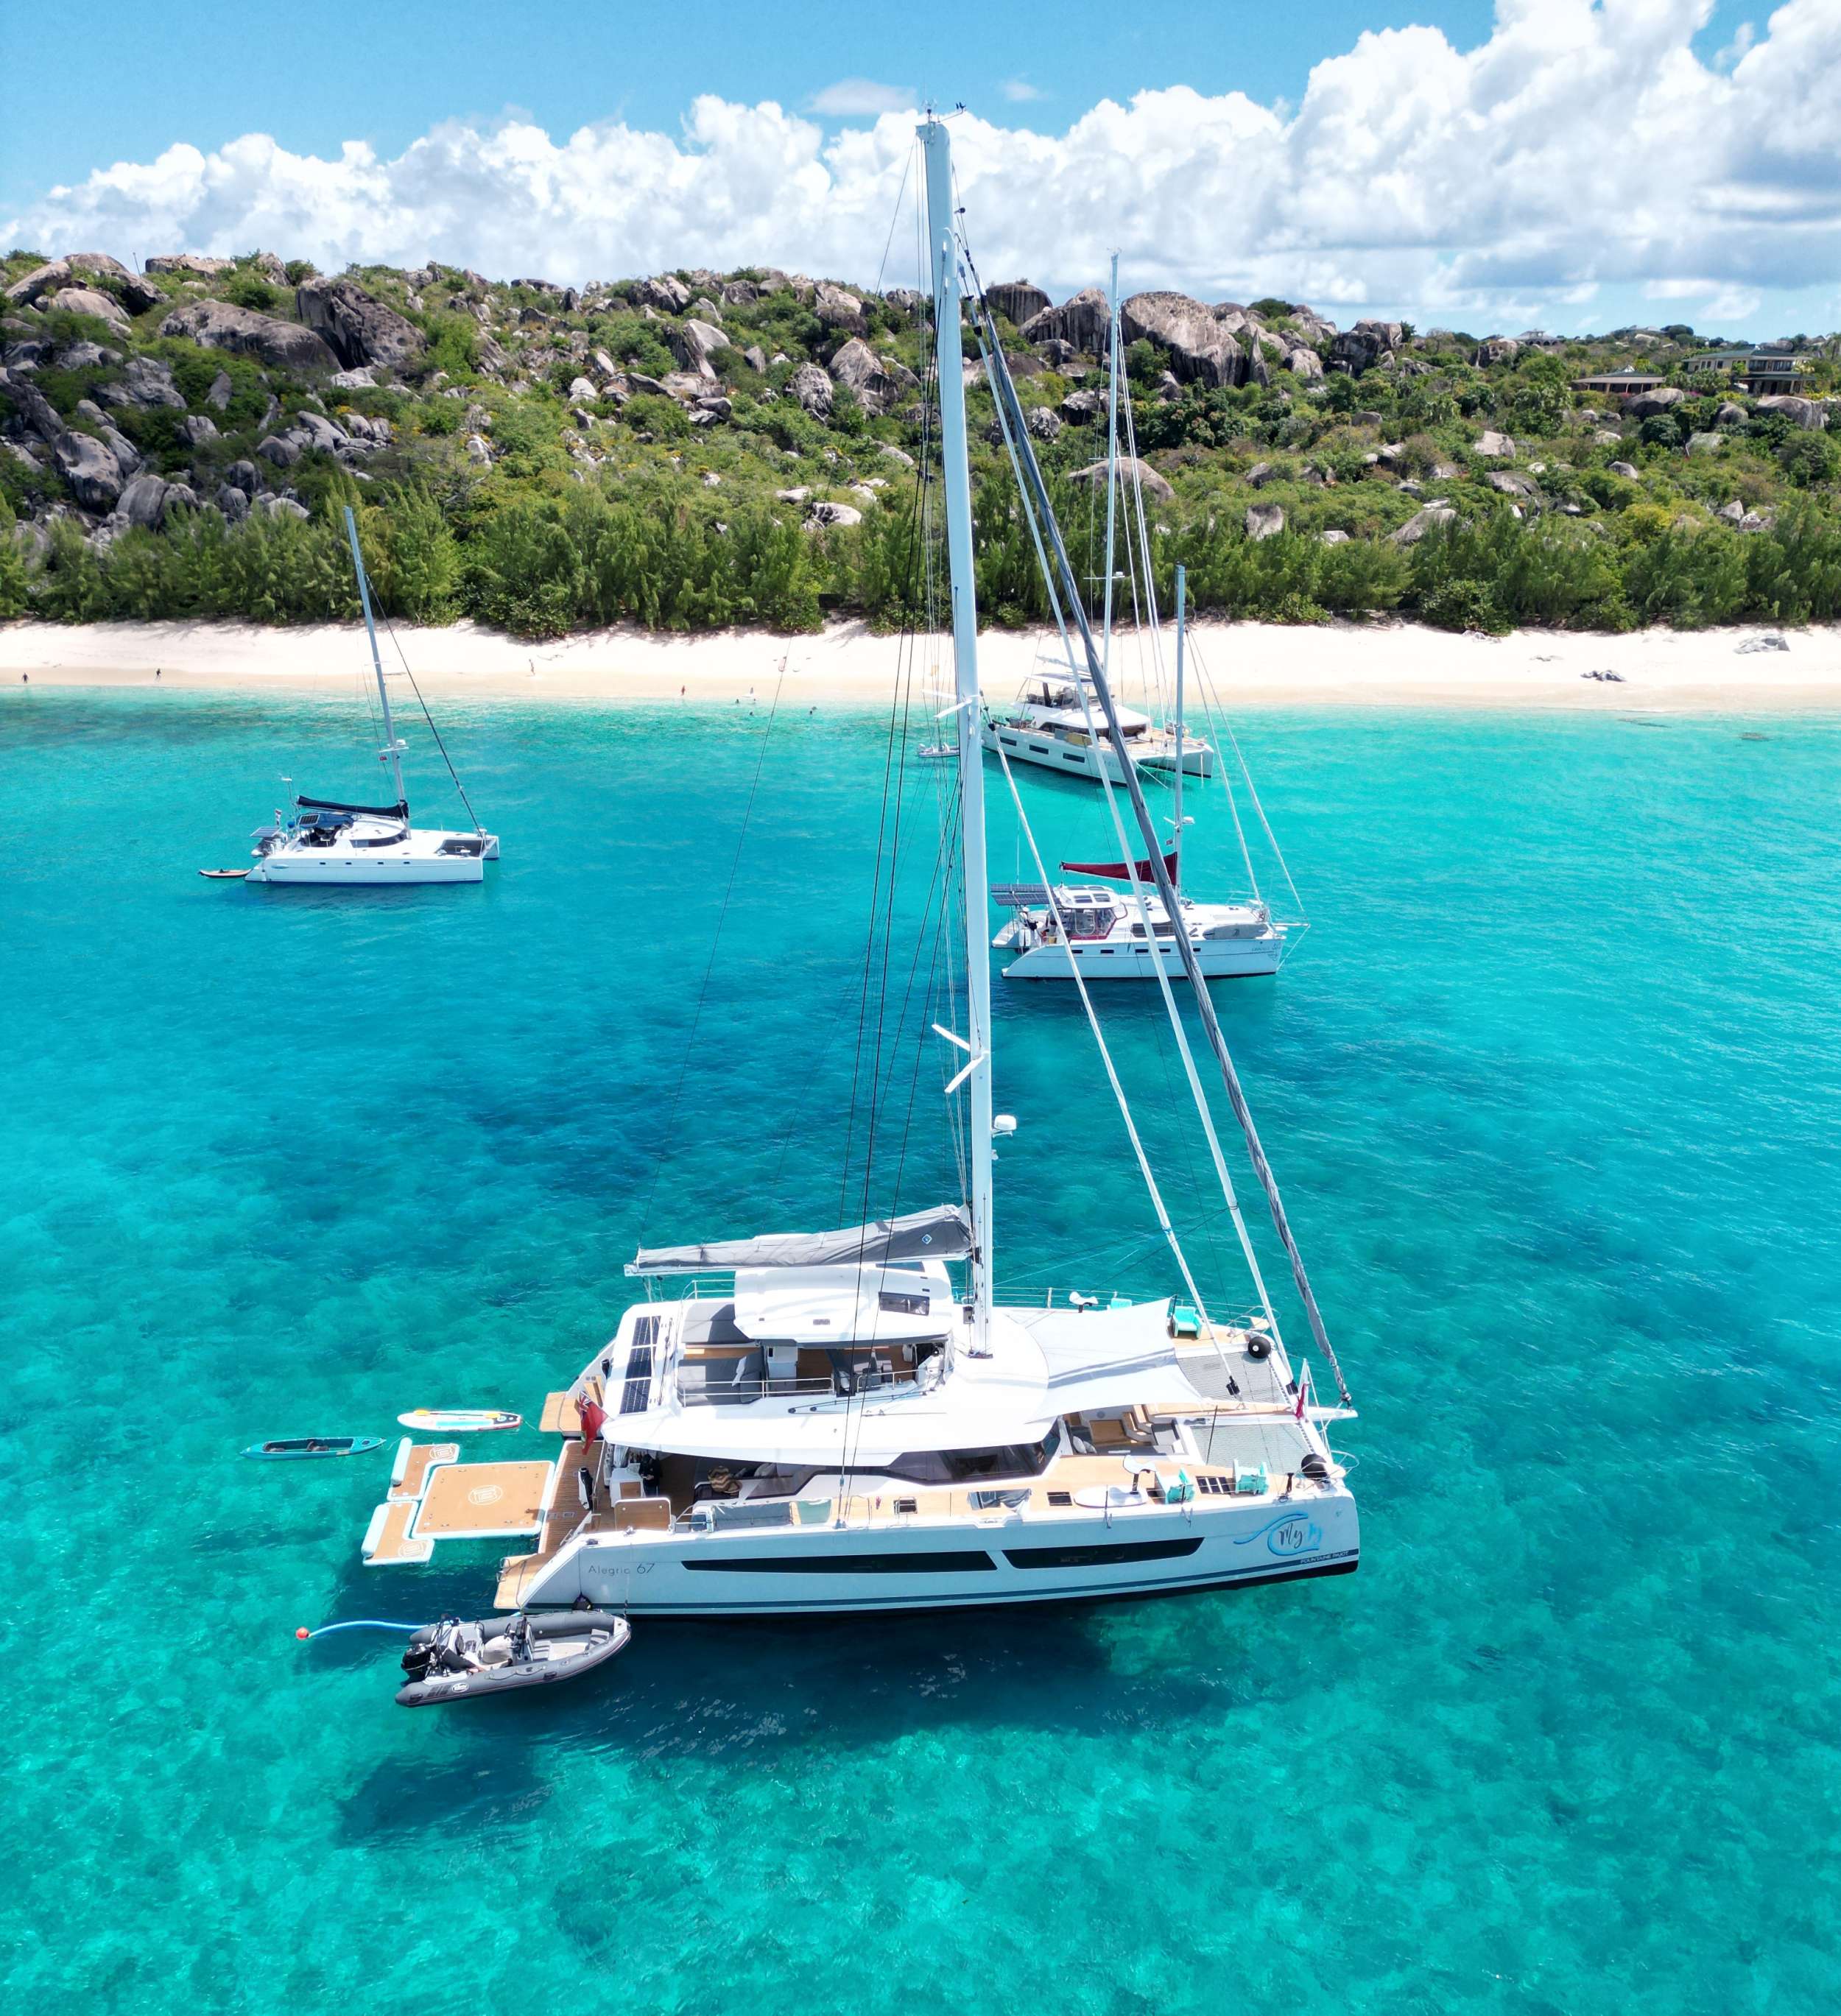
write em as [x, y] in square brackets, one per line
[942, 1233]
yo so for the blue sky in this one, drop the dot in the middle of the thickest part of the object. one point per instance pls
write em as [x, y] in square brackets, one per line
[108, 79]
[109, 90]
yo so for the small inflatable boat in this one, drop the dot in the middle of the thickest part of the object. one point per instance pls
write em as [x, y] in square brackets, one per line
[223, 874]
[453, 1660]
[458, 1420]
[307, 1445]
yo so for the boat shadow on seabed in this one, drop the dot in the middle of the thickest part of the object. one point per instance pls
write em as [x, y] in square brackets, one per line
[763, 1683]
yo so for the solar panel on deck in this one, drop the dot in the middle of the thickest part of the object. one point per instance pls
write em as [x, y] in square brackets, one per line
[638, 1390]
[638, 1380]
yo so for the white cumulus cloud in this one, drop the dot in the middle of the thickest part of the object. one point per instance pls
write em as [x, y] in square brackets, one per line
[1584, 146]
[857, 98]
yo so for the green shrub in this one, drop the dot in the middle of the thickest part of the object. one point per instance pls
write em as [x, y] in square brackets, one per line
[15, 585]
[662, 419]
[1462, 603]
[1810, 460]
[453, 344]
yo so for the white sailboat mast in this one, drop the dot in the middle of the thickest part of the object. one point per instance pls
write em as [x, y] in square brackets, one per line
[1111, 450]
[1177, 778]
[392, 748]
[956, 469]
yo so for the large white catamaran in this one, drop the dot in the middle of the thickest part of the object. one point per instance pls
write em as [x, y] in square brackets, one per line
[857, 1420]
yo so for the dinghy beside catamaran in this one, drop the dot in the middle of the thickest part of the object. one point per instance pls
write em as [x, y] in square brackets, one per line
[855, 1419]
[329, 843]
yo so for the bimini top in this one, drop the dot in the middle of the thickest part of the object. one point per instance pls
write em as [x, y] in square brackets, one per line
[942, 1233]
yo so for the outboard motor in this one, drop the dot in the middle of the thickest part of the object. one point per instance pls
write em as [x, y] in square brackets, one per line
[417, 1658]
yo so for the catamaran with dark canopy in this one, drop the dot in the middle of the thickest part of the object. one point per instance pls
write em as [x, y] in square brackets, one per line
[328, 841]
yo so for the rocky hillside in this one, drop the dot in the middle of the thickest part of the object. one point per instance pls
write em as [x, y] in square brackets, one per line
[694, 449]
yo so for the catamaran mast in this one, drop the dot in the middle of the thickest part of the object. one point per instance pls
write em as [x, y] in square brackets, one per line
[392, 748]
[950, 354]
[1182, 601]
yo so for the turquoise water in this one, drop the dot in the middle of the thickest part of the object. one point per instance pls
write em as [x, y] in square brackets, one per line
[1551, 1086]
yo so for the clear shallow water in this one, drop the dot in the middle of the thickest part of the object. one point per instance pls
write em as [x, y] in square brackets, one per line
[1551, 1088]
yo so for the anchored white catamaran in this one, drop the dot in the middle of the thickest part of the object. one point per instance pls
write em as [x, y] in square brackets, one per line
[327, 842]
[1065, 929]
[856, 1420]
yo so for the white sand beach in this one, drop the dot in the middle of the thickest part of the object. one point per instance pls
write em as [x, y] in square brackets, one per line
[1248, 665]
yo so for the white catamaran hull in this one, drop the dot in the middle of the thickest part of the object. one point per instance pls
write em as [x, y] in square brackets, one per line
[419, 860]
[1220, 959]
[878, 1565]
[1091, 759]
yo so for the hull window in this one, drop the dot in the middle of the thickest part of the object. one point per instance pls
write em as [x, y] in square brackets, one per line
[959, 1561]
[1098, 1555]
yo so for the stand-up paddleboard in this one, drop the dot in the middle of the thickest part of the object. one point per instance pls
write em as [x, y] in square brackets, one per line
[223, 874]
[458, 1420]
[297, 1446]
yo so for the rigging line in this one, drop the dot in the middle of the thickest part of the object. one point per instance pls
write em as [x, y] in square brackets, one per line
[940, 862]
[889, 911]
[895, 215]
[1007, 424]
[1112, 453]
[1156, 653]
[1199, 1213]
[1253, 790]
[1033, 502]
[907, 654]
[1106, 1258]
[1093, 1022]
[433, 730]
[710, 964]
[1239, 830]
[888, 771]
[855, 1407]
[1180, 939]
[823, 1050]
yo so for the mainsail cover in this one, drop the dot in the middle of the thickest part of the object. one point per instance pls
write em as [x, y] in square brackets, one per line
[942, 1233]
[1116, 871]
[398, 811]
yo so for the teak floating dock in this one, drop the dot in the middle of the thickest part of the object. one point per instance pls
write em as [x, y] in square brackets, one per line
[433, 1496]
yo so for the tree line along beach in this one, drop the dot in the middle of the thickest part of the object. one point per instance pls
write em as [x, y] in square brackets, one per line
[695, 452]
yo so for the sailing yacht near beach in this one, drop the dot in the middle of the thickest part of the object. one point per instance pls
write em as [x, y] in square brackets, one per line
[861, 1419]
[1051, 725]
[1061, 930]
[329, 842]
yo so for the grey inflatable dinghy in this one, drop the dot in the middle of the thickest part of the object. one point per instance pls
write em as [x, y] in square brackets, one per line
[458, 1660]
